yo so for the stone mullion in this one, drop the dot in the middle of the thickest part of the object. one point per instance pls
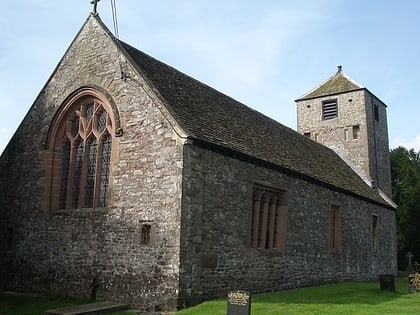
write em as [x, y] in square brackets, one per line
[256, 218]
[271, 221]
[98, 172]
[83, 175]
[263, 224]
[71, 174]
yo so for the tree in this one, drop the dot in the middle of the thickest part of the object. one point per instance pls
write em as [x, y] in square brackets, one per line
[405, 172]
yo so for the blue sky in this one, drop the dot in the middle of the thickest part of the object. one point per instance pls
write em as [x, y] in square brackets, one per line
[263, 53]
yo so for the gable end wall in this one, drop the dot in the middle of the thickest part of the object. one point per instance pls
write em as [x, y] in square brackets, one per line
[96, 252]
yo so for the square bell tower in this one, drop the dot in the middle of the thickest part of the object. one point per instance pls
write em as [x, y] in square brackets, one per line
[346, 117]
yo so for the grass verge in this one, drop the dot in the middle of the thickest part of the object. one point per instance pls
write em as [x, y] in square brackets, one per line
[361, 298]
[364, 298]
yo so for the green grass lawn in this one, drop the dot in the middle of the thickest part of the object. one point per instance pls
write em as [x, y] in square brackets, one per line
[344, 298]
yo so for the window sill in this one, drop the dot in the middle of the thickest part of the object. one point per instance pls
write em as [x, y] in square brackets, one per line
[254, 252]
[81, 211]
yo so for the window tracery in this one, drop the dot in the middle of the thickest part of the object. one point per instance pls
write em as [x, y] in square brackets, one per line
[81, 142]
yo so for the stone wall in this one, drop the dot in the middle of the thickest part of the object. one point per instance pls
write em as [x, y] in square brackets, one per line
[368, 153]
[96, 251]
[331, 132]
[216, 258]
[379, 143]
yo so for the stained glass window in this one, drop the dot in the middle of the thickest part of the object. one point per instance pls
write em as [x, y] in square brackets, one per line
[91, 171]
[106, 158]
[85, 156]
[75, 126]
[102, 121]
[89, 112]
[77, 173]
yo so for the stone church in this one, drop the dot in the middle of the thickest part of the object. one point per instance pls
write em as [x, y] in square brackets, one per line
[128, 180]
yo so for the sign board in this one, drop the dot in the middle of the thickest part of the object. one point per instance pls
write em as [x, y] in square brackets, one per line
[239, 303]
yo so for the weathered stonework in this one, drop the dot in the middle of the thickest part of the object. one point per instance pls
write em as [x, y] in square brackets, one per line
[215, 256]
[368, 152]
[195, 197]
[66, 251]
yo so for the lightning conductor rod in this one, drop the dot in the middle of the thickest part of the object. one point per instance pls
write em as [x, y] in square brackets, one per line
[95, 6]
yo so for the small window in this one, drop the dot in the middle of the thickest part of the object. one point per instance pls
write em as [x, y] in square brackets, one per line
[307, 134]
[268, 222]
[145, 234]
[329, 109]
[10, 237]
[346, 134]
[356, 130]
[376, 112]
[375, 232]
[335, 228]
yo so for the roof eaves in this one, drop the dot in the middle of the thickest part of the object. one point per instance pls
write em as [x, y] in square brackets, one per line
[267, 164]
[329, 94]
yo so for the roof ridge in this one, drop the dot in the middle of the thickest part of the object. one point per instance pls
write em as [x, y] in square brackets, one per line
[210, 116]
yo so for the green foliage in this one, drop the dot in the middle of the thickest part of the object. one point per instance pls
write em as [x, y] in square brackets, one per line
[405, 172]
[343, 298]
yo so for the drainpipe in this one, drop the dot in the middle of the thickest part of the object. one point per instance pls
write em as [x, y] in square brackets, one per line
[375, 150]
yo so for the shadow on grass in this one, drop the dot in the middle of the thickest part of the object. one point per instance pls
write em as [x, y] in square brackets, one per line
[33, 304]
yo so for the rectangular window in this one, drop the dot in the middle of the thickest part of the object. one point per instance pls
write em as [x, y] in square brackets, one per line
[335, 228]
[375, 232]
[376, 112]
[307, 134]
[145, 234]
[268, 222]
[346, 134]
[356, 130]
[329, 109]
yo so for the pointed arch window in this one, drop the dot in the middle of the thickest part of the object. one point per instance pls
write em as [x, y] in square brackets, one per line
[81, 143]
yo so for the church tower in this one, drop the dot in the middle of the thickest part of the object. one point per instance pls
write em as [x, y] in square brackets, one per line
[348, 118]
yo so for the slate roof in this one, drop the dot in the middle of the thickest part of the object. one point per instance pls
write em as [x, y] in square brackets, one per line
[210, 117]
[336, 84]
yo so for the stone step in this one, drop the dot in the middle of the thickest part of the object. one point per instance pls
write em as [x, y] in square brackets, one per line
[92, 308]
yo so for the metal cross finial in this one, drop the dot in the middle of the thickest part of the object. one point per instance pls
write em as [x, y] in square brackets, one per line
[95, 5]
